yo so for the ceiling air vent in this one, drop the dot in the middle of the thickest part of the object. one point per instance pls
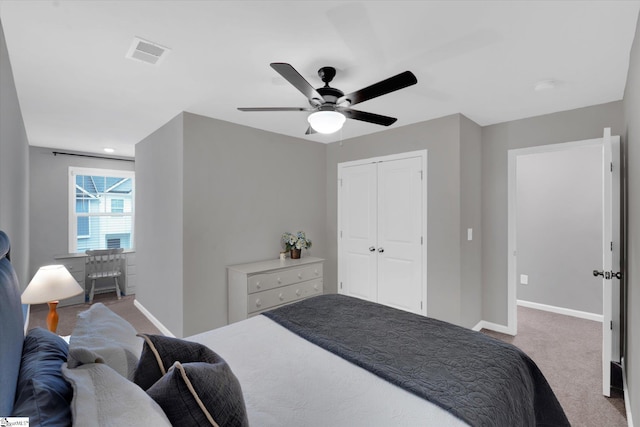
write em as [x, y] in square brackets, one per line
[146, 51]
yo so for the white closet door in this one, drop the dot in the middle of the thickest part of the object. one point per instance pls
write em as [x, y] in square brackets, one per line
[359, 221]
[399, 248]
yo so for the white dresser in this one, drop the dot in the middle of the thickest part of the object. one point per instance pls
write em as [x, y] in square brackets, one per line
[259, 286]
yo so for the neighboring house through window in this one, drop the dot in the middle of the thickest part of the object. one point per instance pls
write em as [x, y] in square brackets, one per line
[101, 209]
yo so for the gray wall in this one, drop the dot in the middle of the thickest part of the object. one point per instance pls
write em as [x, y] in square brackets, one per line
[14, 169]
[631, 154]
[241, 189]
[49, 200]
[566, 126]
[559, 228]
[470, 217]
[442, 138]
[158, 225]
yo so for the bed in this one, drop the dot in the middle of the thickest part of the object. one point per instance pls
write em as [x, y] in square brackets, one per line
[328, 360]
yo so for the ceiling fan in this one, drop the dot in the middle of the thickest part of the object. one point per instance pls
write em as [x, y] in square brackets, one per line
[330, 107]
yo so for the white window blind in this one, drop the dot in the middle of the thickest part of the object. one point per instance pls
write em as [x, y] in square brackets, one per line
[101, 209]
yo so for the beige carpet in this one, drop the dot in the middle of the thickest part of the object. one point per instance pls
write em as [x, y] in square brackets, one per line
[568, 351]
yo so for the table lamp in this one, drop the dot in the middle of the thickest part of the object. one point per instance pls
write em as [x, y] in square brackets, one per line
[50, 284]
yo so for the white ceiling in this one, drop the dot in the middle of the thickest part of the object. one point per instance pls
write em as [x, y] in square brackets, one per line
[77, 91]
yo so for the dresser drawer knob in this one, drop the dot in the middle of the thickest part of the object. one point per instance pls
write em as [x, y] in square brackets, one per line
[258, 303]
[317, 272]
[298, 292]
[299, 275]
[279, 280]
[258, 285]
[315, 287]
[281, 296]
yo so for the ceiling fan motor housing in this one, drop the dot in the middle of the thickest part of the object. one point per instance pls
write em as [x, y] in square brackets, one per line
[329, 94]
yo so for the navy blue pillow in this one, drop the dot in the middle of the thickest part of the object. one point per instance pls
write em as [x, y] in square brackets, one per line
[159, 353]
[43, 394]
[200, 394]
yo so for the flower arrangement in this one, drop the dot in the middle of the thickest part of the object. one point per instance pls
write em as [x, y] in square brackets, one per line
[295, 241]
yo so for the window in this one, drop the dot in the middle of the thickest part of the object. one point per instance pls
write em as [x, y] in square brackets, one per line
[117, 205]
[101, 209]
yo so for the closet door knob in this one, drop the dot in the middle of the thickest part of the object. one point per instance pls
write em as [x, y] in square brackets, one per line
[372, 249]
[380, 250]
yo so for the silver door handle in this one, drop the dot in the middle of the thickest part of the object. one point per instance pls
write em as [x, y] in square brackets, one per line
[372, 249]
[380, 250]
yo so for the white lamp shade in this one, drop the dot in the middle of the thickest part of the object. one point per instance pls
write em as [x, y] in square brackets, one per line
[51, 283]
[326, 121]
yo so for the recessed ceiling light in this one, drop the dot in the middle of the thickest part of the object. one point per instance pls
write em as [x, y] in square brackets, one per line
[109, 150]
[545, 85]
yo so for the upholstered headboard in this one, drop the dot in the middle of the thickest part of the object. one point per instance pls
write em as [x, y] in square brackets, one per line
[11, 328]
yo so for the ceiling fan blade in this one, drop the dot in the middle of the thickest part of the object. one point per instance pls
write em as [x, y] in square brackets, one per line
[310, 131]
[293, 77]
[391, 84]
[274, 109]
[367, 117]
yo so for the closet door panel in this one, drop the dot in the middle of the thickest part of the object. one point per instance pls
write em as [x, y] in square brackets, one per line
[399, 234]
[358, 197]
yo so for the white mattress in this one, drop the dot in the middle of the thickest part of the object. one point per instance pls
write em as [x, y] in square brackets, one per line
[288, 381]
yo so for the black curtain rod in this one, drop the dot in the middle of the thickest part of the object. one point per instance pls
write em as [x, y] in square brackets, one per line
[55, 153]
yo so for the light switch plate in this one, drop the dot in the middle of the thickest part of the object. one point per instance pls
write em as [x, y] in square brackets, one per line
[469, 233]
[524, 279]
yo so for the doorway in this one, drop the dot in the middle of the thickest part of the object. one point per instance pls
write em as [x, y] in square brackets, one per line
[560, 230]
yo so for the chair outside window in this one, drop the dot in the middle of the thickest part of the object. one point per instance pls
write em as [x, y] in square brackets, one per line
[104, 264]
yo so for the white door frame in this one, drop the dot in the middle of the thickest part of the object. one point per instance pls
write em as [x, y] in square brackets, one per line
[422, 154]
[512, 312]
[610, 338]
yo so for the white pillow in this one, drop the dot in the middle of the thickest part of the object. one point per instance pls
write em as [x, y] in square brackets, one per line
[101, 335]
[102, 397]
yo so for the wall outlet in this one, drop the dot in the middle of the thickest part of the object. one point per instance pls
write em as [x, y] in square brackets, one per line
[469, 234]
[524, 279]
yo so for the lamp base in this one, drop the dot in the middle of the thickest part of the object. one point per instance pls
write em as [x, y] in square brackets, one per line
[52, 317]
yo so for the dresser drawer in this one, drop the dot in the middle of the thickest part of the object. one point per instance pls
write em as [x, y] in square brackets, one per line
[261, 301]
[75, 266]
[266, 281]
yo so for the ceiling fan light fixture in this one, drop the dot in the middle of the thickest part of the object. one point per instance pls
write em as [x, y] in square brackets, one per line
[326, 121]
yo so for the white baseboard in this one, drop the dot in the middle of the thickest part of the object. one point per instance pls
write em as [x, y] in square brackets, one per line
[561, 310]
[483, 324]
[153, 319]
[627, 399]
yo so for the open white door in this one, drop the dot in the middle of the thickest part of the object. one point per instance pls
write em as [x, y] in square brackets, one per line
[610, 256]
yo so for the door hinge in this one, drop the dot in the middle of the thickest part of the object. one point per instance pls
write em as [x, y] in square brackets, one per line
[611, 166]
[420, 305]
[341, 234]
[340, 181]
[421, 177]
[340, 285]
[611, 246]
[611, 324]
[421, 240]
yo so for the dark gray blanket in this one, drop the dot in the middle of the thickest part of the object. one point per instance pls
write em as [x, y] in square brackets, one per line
[481, 380]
